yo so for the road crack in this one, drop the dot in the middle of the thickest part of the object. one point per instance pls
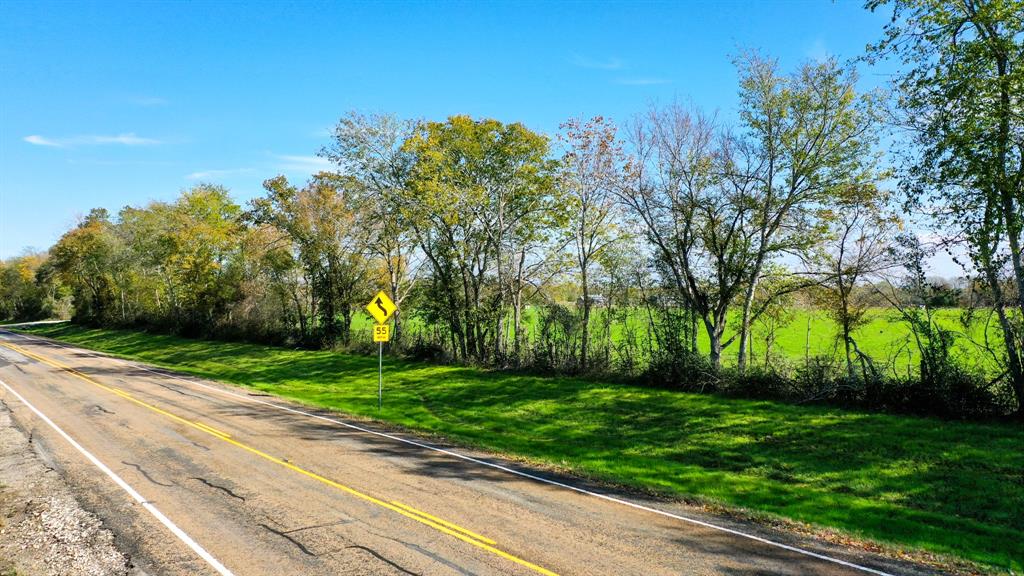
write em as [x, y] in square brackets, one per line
[224, 489]
[146, 474]
[178, 391]
[285, 535]
[338, 523]
[378, 556]
[421, 550]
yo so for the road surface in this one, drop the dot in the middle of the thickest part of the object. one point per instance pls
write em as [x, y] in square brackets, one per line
[196, 477]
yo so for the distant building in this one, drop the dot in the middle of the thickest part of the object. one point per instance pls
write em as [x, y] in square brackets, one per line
[596, 300]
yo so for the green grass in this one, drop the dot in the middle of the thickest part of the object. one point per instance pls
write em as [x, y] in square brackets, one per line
[947, 487]
[885, 337]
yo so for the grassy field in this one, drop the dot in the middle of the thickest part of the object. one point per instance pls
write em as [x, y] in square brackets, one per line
[885, 337]
[946, 487]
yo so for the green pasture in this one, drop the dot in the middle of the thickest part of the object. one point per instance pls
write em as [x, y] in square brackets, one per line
[885, 337]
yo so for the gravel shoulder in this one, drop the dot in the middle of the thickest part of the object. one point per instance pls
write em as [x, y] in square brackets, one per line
[44, 531]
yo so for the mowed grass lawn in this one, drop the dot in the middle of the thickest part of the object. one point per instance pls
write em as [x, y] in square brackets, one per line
[948, 487]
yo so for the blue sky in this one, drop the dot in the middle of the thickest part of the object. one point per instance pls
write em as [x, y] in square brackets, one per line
[108, 104]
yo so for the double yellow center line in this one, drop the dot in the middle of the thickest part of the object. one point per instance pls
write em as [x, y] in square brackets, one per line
[424, 518]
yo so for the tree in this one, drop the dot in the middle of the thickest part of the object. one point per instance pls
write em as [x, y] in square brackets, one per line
[322, 220]
[144, 233]
[777, 304]
[202, 239]
[693, 217]
[274, 303]
[937, 369]
[806, 137]
[23, 290]
[857, 250]
[478, 190]
[82, 258]
[537, 257]
[369, 148]
[961, 103]
[591, 175]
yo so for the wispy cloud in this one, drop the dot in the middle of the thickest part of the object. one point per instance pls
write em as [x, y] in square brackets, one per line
[641, 81]
[613, 64]
[213, 174]
[40, 141]
[127, 139]
[597, 64]
[308, 164]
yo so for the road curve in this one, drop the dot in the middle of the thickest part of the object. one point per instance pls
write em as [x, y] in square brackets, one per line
[197, 477]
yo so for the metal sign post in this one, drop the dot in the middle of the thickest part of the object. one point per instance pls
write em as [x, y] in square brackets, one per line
[381, 334]
[381, 308]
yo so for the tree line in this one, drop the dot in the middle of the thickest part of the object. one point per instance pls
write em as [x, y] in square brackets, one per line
[506, 247]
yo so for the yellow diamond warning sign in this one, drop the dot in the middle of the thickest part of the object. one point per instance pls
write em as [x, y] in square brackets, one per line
[381, 307]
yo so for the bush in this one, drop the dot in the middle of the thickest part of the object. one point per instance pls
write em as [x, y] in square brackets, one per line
[959, 393]
[423, 350]
[557, 345]
[758, 383]
[682, 370]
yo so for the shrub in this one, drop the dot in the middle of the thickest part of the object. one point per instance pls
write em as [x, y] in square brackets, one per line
[682, 369]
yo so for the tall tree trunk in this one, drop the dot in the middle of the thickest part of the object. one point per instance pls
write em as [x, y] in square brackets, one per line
[499, 335]
[469, 328]
[1014, 367]
[517, 326]
[846, 345]
[1012, 218]
[693, 330]
[346, 324]
[302, 316]
[1013, 354]
[1011, 210]
[329, 312]
[393, 278]
[715, 341]
[396, 338]
[585, 342]
[748, 302]
[478, 327]
[518, 312]
[845, 323]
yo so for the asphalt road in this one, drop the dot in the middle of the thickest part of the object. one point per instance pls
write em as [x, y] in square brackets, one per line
[196, 477]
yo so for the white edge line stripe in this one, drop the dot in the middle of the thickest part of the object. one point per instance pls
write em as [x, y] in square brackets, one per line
[127, 488]
[480, 462]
